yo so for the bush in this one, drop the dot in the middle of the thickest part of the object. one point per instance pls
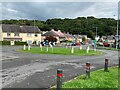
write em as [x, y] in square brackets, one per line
[20, 43]
[16, 43]
[83, 39]
[4, 42]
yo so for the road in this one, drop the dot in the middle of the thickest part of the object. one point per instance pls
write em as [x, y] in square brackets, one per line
[26, 70]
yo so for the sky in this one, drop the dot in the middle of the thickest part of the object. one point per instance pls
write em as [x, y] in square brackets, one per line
[48, 10]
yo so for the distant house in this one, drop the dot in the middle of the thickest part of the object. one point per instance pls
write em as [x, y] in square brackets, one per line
[20, 33]
[109, 39]
[80, 37]
[69, 37]
[58, 35]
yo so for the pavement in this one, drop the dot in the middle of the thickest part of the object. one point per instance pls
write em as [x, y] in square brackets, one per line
[26, 70]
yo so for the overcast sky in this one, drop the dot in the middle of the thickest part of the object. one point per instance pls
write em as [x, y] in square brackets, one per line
[47, 10]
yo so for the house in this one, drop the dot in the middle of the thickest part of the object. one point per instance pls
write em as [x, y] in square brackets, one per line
[80, 37]
[20, 33]
[69, 37]
[52, 35]
[109, 39]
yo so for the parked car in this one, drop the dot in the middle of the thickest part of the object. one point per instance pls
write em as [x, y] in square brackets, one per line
[73, 44]
[106, 44]
[77, 43]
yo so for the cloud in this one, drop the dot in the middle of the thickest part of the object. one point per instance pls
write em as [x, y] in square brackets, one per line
[102, 10]
[46, 10]
[59, 1]
[11, 10]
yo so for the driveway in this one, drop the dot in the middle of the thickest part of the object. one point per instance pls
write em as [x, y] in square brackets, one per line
[26, 70]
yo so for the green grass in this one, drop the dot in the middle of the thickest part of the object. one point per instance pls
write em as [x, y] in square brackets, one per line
[60, 50]
[99, 79]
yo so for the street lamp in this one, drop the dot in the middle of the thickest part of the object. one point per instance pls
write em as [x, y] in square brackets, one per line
[117, 26]
[34, 32]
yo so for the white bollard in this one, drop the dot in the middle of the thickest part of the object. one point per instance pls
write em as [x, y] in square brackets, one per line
[24, 47]
[72, 50]
[47, 49]
[95, 48]
[29, 47]
[51, 47]
[88, 48]
[41, 47]
[80, 47]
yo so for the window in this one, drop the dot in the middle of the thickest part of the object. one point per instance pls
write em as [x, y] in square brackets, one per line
[8, 34]
[36, 34]
[29, 42]
[29, 34]
[16, 34]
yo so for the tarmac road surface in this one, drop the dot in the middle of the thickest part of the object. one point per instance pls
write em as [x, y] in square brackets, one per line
[26, 70]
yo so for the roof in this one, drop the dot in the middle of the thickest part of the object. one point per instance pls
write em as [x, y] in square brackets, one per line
[30, 29]
[10, 28]
[110, 37]
[50, 33]
[69, 36]
[20, 29]
[59, 33]
[54, 33]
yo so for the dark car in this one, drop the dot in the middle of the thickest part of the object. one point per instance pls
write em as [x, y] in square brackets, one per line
[73, 44]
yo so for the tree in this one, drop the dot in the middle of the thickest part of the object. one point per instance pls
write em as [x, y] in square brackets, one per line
[83, 25]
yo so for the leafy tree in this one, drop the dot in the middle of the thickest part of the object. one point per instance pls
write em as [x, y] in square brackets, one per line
[79, 25]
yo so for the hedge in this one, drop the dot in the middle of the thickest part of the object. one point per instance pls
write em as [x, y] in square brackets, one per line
[16, 43]
[4, 42]
[20, 43]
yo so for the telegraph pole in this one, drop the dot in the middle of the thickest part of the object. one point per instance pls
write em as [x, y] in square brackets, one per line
[96, 31]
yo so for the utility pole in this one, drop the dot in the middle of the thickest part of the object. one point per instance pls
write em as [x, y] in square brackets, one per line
[96, 31]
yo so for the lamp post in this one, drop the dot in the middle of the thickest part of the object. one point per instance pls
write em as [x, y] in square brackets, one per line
[34, 32]
[117, 25]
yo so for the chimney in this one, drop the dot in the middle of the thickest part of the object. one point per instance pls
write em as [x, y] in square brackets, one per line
[52, 29]
[59, 30]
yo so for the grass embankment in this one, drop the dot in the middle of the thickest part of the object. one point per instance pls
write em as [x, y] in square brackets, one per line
[60, 50]
[99, 79]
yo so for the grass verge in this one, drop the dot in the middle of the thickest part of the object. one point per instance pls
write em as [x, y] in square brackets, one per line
[60, 50]
[99, 79]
